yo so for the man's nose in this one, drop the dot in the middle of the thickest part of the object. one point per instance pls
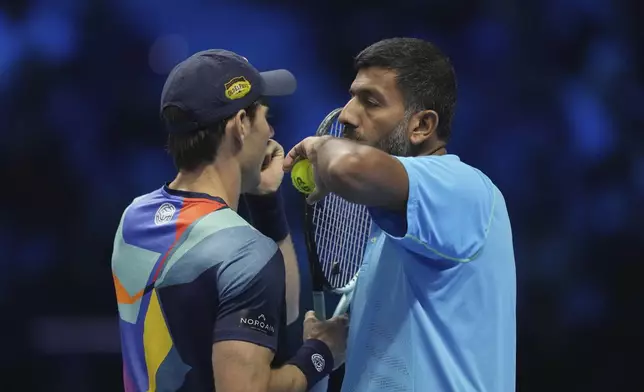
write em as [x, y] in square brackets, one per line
[347, 115]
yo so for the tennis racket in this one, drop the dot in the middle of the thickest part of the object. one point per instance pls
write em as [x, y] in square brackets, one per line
[336, 233]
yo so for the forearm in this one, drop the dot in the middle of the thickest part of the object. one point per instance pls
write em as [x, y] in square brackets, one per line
[292, 279]
[346, 168]
[302, 373]
[288, 378]
[267, 213]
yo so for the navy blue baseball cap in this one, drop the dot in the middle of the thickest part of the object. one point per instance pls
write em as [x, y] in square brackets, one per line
[215, 84]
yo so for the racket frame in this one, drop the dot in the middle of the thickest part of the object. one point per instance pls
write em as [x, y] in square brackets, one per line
[320, 283]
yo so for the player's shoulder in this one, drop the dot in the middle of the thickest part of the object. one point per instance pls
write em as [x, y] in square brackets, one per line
[221, 243]
[199, 230]
[441, 164]
[239, 253]
[447, 173]
[229, 233]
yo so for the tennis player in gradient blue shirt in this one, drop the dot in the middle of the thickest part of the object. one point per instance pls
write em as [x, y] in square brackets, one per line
[435, 304]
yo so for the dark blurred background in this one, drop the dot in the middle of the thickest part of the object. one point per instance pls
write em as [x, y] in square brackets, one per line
[550, 107]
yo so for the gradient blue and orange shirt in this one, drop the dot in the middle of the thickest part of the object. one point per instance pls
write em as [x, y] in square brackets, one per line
[189, 272]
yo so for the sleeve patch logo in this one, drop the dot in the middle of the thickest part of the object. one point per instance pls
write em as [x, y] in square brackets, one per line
[257, 321]
[318, 362]
[164, 214]
[237, 88]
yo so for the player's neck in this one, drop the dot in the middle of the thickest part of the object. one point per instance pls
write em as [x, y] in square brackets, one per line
[434, 149]
[220, 179]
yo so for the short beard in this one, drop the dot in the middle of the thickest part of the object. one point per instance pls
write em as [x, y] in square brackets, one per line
[397, 142]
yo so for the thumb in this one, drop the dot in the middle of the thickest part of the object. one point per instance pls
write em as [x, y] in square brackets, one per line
[310, 315]
[288, 163]
[296, 153]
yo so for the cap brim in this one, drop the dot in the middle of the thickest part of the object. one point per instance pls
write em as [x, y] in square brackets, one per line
[279, 82]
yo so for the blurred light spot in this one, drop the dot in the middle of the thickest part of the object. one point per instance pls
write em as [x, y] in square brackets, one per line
[490, 40]
[10, 49]
[589, 122]
[71, 8]
[166, 52]
[51, 35]
[607, 59]
[148, 169]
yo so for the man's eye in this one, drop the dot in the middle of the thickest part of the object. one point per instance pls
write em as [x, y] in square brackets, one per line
[371, 102]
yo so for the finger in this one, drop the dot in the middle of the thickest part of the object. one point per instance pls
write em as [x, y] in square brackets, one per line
[278, 152]
[310, 315]
[267, 161]
[274, 148]
[290, 159]
[278, 157]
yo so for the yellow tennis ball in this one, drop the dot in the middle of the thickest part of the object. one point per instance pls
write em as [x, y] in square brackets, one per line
[302, 176]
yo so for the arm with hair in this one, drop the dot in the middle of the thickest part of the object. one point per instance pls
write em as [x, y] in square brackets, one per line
[361, 174]
[246, 331]
[245, 367]
[251, 302]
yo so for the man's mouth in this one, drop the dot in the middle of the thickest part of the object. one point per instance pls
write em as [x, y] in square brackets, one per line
[351, 134]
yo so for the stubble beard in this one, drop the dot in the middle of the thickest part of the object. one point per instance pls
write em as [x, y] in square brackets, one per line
[397, 142]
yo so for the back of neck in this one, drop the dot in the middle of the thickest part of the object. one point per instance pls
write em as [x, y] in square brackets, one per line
[217, 179]
[439, 149]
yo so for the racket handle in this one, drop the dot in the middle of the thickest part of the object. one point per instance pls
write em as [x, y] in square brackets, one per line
[344, 303]
[319, 305]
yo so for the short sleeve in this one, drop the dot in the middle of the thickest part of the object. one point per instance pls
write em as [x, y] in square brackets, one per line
[449, 209]
[251, 294]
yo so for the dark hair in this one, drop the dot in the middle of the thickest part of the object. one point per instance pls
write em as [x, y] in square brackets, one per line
[424, 75]
[191, 149]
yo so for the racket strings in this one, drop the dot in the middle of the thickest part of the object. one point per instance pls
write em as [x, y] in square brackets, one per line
[341, 228]
[336, 129]
[341, 233]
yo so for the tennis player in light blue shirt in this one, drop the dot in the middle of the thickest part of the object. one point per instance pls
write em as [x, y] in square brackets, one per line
[435, 304]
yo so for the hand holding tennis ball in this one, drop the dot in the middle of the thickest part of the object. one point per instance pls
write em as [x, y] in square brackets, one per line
[306, 178]
[303, 177]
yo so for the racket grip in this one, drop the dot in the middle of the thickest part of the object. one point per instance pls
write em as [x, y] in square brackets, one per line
[319, 305]
[343, 305]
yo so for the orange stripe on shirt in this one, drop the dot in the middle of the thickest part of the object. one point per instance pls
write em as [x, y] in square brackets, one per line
[122, 296]
[194, 209]
[191, 210]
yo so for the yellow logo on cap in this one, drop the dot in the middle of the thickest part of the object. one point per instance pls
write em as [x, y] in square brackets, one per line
[237, 88]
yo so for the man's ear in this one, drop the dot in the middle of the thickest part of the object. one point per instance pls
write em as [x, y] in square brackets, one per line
[238, 127]
[422, 126]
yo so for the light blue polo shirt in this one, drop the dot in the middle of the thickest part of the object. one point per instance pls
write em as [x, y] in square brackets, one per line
[435, 304]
